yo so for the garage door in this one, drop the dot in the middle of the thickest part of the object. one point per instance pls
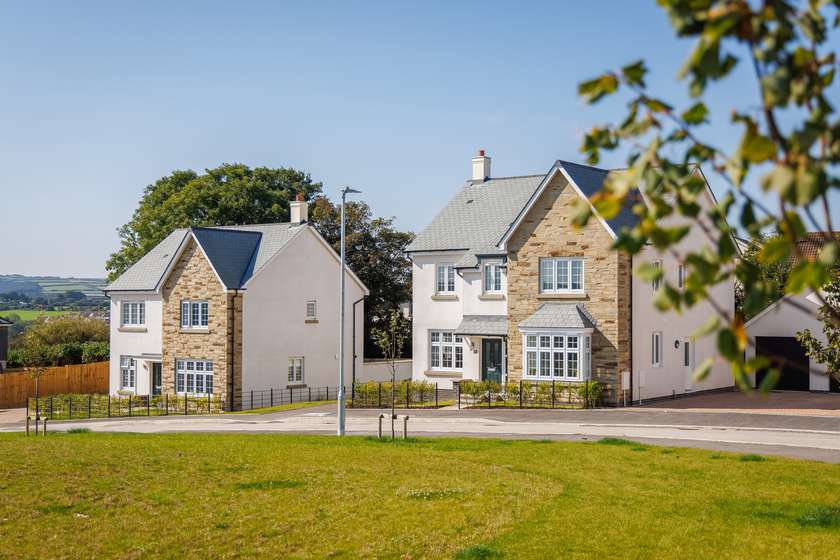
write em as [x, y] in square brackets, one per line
[789, 356]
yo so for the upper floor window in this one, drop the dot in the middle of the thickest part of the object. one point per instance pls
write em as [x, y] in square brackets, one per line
[133, 314]
[657, 281]
[564, 275]
[195, 314]
[492, 278]
[683, 274]
[445, 350]
[310, 311]
[445, 279]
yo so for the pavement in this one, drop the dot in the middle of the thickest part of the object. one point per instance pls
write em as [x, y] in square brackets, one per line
[729, 422]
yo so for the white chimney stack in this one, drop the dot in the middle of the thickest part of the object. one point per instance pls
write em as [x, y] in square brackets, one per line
[299, 210]
[481, 167]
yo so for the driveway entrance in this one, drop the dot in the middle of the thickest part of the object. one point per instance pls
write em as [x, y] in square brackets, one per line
[777, 402]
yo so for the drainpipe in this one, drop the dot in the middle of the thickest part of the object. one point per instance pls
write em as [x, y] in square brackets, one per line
[232, 361]
[630, 279]
[353, 383]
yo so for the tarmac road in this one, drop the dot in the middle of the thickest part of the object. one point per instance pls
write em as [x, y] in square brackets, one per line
[796, 436]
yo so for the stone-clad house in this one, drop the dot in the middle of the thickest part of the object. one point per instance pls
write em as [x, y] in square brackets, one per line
[506, 289]
[227, 310]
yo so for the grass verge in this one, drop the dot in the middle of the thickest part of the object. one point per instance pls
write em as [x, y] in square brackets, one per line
[280, 408]
[261, 495]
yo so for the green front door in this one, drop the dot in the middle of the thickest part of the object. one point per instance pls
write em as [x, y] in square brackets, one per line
[157, 385]
[491, 360]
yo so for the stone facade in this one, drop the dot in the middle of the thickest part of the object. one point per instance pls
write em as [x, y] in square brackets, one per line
[193, 279]
[547, 231]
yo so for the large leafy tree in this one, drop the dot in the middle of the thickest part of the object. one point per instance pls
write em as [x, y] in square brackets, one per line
[228, 195]
[794, 135]
[375, 251]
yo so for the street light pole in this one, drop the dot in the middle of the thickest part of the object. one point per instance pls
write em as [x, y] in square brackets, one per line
[341, 397]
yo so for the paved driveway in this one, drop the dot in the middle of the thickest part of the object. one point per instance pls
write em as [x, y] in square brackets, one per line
[795, 403]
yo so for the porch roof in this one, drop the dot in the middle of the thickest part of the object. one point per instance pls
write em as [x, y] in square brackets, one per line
[483, 325]
[559, 316]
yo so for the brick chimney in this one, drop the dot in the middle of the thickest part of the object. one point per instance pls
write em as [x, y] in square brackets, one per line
[481, 167]
[299, 210]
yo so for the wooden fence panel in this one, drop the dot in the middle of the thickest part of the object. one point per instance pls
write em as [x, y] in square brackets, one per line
[17, 386]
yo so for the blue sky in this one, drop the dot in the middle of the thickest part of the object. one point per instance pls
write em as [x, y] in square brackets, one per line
[100, 99]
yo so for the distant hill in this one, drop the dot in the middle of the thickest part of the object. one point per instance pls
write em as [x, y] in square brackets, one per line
[50, 286]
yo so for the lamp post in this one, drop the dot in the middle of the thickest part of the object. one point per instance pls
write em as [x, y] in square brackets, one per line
[344, 192]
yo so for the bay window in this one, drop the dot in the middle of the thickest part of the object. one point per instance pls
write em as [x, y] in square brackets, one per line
[557, 356]
[446, 351]
[193, 377]
[562, 275]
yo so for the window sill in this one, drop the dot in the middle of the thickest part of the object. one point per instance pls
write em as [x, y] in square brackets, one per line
[443, 374]
[311, 321]
[132, 329]
[445, 298]
[298, 386]
[491, 297]
[562, 296]
[558, 379]
[193, 331]
[125, 392]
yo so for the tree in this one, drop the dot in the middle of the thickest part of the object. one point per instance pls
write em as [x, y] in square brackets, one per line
[228, 195]
[66, 329]
[785, 48]
[772, 273]
[74, 295]
[375, 251]
[391, 341]
[829, 354]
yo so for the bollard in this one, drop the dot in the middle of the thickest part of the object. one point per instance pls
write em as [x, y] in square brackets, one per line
[405, 426]
[27, 427]
[45, 426]
[379, 433]
[36, 425]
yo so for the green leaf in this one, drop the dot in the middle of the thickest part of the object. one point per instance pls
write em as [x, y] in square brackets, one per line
[608, 206]
[709, 326]
[756, 148]
[728, 345]
[696, 114]
[635, 73]
[703, 370]
[799, 277]
[829, 254]
[776, 249]
[781, 180]
[771, 377]
[648, 271]
[581, 212]
[807, 185]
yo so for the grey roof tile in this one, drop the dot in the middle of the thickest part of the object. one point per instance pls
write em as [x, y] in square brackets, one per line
[488, 325]
[4, 321]
[236, 252]
[590, 180]
[476, 218]
[559, 316]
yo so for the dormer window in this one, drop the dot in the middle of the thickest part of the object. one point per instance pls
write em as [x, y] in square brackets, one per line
[492, 278]
[445, 279]
[561, 276]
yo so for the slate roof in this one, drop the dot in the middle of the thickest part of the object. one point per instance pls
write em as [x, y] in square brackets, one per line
[237, 253]
[4, 321]
[559, 316]
[811, 244]
[476, 218]
[590, 180]
[488, 325]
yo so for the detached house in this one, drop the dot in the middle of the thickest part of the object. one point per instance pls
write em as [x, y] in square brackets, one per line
[506, 289]
[225, 310]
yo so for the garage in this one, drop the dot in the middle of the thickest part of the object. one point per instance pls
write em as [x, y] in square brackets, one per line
[787, 355]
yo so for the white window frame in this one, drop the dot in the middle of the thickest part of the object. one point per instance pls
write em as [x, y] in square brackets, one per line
[444, 279]
[128, 372]
[547, 355]
[134, 314]
[557, 275]
[443, 344]
[493, 277]
[311, 310]
[296, 370]
[657, 282]
[195, 314]
[656, 349]
[682, 274]
[194, 377]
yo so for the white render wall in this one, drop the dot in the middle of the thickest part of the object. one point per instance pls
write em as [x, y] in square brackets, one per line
[274, 326]
[135, 344]
[670, 378]
[436, 314]
[785, 319]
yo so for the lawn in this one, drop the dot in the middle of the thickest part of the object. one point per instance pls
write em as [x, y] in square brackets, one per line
[30, 314]
[264, 496]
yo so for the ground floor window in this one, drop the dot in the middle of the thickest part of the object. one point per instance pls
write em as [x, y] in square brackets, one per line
[193, 377]
[446, 351]
[128, 373]
[295, 370]
[557, 356]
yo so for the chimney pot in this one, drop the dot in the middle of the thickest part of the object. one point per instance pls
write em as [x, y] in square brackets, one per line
[299, 197]
[481, 153]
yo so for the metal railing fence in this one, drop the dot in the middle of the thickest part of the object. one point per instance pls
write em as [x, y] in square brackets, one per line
[529, 394]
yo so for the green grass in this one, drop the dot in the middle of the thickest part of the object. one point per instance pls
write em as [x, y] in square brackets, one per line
[30, 314]
[279, 408]
[293, 496]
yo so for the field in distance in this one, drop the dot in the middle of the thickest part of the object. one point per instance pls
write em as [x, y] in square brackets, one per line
[51, 286]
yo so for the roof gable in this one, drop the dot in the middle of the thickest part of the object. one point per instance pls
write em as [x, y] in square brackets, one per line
[229, 251]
